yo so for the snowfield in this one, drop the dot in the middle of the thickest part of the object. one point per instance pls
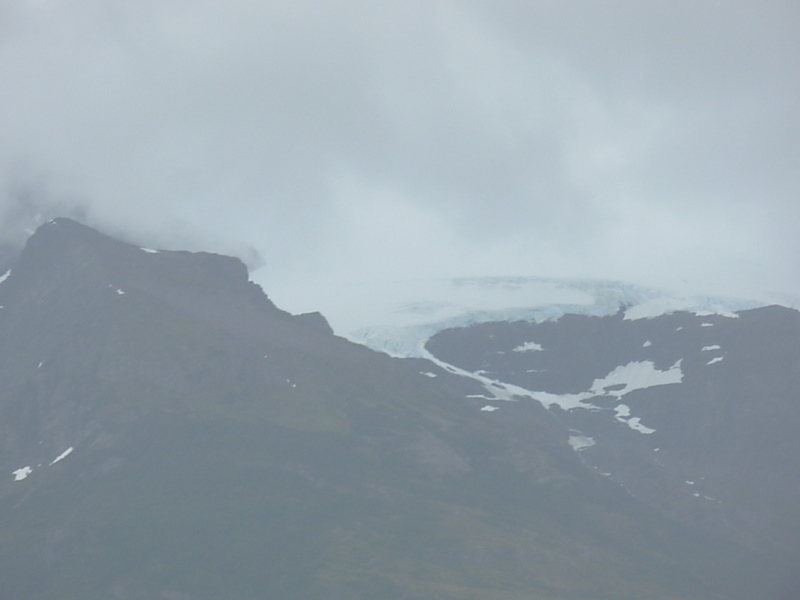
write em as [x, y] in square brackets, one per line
[398, 317]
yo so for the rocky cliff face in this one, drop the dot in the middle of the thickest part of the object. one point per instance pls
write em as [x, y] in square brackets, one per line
[167, 432]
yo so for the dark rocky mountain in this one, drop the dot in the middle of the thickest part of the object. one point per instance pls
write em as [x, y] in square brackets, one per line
[697, 415]
[167, 432]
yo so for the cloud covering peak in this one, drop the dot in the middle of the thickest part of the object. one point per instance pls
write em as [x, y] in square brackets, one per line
[650, 142]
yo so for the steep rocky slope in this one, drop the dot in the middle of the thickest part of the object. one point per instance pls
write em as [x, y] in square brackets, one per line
[167, 432]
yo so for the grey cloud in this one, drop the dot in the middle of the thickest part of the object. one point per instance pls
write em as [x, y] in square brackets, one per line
[27, 202]
[433, 137]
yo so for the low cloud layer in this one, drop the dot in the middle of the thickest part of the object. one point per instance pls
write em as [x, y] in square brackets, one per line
[357, 141]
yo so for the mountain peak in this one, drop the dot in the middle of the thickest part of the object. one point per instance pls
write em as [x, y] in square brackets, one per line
[72, 247]
[69, 273]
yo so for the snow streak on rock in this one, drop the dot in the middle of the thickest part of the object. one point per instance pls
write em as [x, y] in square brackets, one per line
[22, 473]
[63, 455]
[625, 379]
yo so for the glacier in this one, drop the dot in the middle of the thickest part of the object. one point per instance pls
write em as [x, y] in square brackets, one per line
[399, 317]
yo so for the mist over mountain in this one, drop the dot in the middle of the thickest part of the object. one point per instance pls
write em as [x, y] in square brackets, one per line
[167, 431]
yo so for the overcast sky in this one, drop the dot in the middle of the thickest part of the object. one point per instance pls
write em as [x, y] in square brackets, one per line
[351, 142]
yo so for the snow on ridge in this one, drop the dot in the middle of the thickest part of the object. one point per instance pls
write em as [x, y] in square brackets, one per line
[528, 347]
[5, 275]
[700, 306]
[63, 455]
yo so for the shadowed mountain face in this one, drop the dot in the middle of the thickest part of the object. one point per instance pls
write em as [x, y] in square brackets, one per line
[696, 415]
[167, 432]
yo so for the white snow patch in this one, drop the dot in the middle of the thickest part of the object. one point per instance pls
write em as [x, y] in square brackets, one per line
[689, 482]
[636, 376]
[528, 347]
[715, 360]
[622, 411]
[706, 324]
[22, 473]
[39, 366]
[563, 401]
[120, 292]
[704, 497]
[428, 374]
[714, 347]
[489, 408]
[647, 344]
[149, 250]
[580, 442]
[63, 455]
[633, 376]
[636, 424]
[5, 275]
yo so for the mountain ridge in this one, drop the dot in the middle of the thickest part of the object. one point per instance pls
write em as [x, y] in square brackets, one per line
[212, 445]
